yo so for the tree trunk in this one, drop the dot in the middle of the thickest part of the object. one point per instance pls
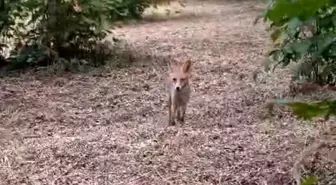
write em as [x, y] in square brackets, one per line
[52, 22]
[2, 9]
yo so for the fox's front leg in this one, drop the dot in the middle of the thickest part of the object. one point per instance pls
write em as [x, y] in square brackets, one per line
[171, 114]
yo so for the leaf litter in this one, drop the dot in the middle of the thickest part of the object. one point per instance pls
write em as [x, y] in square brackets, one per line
[112, 128]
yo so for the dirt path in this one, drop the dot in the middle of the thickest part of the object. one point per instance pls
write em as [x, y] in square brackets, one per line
[111, 129]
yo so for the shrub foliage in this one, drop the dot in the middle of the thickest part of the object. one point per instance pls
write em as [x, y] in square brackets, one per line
[42, 32]
[304, 31]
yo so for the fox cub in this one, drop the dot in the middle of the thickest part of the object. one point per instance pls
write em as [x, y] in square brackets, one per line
[179, 91]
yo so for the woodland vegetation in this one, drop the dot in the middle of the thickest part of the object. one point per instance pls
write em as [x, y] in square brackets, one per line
[41, 33]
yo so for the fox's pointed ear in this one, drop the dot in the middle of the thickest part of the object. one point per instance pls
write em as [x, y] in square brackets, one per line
[186, 67]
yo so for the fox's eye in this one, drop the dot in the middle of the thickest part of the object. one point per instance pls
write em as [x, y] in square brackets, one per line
[174, 79]
[182, 79]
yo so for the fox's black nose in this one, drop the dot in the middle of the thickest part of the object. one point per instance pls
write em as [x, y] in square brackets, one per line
[178, 88]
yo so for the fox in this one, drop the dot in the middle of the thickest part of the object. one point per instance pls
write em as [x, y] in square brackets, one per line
[179, 91]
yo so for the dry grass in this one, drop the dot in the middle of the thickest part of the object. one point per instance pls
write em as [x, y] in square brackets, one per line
[112, 128]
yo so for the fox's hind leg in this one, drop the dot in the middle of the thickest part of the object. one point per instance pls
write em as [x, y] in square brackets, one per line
[178, 112]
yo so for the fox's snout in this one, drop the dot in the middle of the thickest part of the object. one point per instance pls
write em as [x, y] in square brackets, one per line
[178, 87]
[179, 83]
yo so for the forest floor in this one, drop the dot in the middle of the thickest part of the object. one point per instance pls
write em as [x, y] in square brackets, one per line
[111, 127]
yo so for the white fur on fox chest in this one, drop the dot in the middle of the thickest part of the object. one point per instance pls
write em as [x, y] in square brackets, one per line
[180, 98]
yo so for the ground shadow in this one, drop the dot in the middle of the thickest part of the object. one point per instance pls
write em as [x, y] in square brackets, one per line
[175, 18]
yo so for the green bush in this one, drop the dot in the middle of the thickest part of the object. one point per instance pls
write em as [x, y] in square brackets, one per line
[304, 31]
[43, 32]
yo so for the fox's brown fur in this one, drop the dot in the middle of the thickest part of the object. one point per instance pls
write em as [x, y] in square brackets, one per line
[179, 91]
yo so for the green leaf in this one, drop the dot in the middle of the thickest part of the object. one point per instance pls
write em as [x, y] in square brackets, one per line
[311, 180]
[299, 8]
[104, 23]
[310, 110]
[281, 9]
[278, 36]
[324, 42]
[87, 20]
[302, 48]
[333, 19]
[294, 26]
[307, 111]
